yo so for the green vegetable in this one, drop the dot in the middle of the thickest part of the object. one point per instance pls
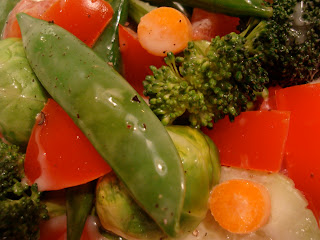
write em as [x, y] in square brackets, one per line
[288, 42]
[119, 213]
[5, 8]
[21, 95]
[210, 81]
[107, 45]
[138, 8]
[222, 77]
[79, 204]
[112, 115]
[20, 208]
[257, 8]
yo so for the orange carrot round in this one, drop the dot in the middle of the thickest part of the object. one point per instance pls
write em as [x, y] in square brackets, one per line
[164, 30]
[240, 206]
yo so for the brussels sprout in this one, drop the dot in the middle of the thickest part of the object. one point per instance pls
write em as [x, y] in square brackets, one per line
[21, 95]
[119, 213]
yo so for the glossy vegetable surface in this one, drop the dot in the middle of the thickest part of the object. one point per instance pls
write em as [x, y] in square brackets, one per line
[59, 155]
[86, 19]
[164, 30]
[21, 95]
[5, 7]
[107, 45]
[207, 25]
[120, 214]
[302, 150]
[255, 8]
[111, 114]
[255, 140]
[31, 7]
[79, 202]
[135, 69]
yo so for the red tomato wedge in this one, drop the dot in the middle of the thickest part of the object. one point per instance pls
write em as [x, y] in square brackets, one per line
[207, 25]
[31, 7]
[255, 140]
[136, 60]
[58, 153]
[302, 149]
[86, 19]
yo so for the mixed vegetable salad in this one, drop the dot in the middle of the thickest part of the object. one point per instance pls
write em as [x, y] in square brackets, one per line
[130, 119]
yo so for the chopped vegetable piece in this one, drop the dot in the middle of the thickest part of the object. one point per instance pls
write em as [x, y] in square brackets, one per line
[164, 30]
[107, 45]
[58, 154]
[240, 206]
[136, 60]
[112, 115]
[86, 19]
[290, 218]
[31, 7]
[255, 140]
[5, 8]
[207, 25]
[302, 149]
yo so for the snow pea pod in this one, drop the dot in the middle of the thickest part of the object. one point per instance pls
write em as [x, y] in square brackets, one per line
[107, 45]
[79, 202]
[112, 115]
[256, 8]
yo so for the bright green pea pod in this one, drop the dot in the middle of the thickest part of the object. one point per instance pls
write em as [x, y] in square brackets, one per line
[21, 95]
[5, 8]
[79, 202]
[119, 213]
[107, 45]
[112, 115]
[256, 8]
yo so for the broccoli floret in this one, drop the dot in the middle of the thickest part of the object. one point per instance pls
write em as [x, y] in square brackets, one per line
[289, 41]
[212, 80]
[20, 207]
[221, 77]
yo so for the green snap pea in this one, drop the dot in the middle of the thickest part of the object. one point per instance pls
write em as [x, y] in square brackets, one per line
[113, 116]
[107, 45]
[79, 202]
[256, 8]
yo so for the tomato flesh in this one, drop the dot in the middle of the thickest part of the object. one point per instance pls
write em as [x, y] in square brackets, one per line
[302, 149]
[58, 153]
[255, 140]
[86, 19]
[207, 25]
[136, 60]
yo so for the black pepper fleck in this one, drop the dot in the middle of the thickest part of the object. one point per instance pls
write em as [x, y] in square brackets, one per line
[136, 99]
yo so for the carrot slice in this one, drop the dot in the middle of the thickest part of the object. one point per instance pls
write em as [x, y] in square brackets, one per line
[240, 206]
[164, 30]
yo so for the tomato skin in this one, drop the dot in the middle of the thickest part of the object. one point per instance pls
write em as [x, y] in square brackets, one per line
[302, 148]
[136, 60]
[58, 153]
[31, 7]
[255, 140]
[86, 19]
[207, 25]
